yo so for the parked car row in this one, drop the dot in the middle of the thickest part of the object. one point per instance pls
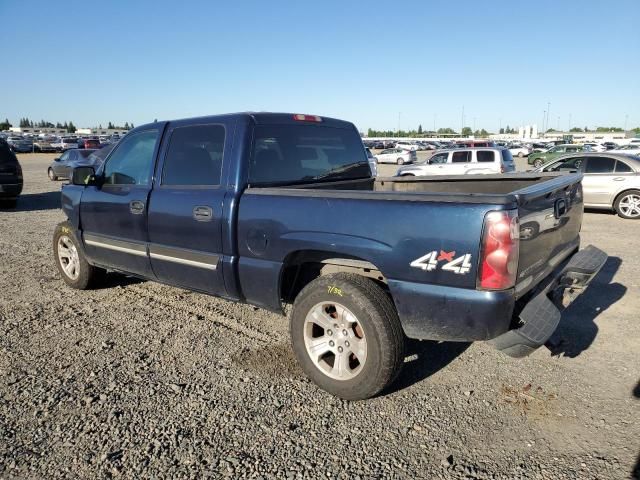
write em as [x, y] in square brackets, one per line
[50, 144]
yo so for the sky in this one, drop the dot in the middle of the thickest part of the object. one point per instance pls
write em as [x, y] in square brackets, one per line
[379, 65]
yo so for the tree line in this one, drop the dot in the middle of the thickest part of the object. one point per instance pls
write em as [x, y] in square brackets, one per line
[69, 127]
[467, 131]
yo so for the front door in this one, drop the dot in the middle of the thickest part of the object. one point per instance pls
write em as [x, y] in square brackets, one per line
[598, 179]
[113, 215]
[185, 209]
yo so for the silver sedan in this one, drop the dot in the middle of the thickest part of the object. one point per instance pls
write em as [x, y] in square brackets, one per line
[611, 181]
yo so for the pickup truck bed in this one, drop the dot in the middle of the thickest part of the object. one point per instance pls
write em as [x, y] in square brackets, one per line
[274, 209]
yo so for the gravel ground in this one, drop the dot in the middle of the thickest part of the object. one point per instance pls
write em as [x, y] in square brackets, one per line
[139, 379]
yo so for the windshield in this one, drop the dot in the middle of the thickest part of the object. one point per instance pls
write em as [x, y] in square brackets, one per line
[289, 154]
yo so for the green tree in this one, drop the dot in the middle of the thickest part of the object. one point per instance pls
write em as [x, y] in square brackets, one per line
[586, 129]
[446, 131]
[636, 130]
[110, 126]
[5, 125]
[71, 128]
[126, 125]
[501, 130]
[466, 131]
[419, 129]
[576, 130]
[550, 130]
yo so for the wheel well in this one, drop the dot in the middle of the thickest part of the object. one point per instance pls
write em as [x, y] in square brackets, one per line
[301, 268]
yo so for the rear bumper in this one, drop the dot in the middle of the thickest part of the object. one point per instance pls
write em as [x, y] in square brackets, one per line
[10, 190]
[541, 314]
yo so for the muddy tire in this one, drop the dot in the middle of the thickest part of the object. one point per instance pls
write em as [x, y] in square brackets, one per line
[347, 336]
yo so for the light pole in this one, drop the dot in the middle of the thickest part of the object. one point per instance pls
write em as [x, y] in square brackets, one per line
[569, 127]
[544, 116]
[626, 117]
[548, 113]
[462, 121]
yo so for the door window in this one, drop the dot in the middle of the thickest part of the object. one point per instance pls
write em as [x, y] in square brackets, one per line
[600, 165]
[194, 156]
[485, 156]
[65, 156]
[461, 157]
[439, 158]
[622, 167]
[573, 163]
[132, 160]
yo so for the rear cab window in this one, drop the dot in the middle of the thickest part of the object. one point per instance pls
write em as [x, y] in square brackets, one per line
[298, 154]
[600, 165]
[461, 157]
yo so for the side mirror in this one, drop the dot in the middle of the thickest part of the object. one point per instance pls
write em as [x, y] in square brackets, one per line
[84, 176]
[56, 159]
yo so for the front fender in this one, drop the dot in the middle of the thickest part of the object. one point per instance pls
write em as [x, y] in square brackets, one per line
[70, 201]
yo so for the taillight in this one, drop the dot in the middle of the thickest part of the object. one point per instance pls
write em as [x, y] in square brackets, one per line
[307, 118]
[501, 168]
[499, 250]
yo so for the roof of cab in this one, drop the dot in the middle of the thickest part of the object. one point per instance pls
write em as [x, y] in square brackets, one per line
[258, 118]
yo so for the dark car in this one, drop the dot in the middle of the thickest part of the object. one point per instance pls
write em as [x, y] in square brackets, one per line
[21, 144]
[88, 143]
[74, 157]
[10, 176]
[610, 145]
[279, 209]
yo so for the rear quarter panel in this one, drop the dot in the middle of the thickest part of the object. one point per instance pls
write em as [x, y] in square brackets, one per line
[387, 233]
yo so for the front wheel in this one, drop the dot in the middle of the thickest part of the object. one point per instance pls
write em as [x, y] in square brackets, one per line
[347, 336]
[52, 176]
[627, 205]
[538, 163]
[520, 154]
[71, 261]
[400, 161]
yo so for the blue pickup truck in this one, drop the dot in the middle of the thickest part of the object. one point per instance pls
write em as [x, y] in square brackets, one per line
[276, 209]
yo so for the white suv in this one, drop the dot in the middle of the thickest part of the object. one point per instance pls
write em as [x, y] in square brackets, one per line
[463, 161]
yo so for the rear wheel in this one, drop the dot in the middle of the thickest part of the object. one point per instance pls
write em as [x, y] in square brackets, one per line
[400, 161]
[71, 261]
[627, 205]
[347, 336]
[52, 176]
[520, 154]
[538, 163]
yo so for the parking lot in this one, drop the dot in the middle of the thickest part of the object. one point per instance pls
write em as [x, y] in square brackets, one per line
[139, 378]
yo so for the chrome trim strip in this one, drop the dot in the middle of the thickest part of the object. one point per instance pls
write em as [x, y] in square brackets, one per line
[109, 243]
[184, 261]
[184, 256]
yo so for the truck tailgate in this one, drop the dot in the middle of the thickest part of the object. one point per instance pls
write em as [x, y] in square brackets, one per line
[550, 218]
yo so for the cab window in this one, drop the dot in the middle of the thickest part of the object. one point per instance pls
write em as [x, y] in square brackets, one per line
[485, 156]
[461, 157]
[194, 156]
[600, 165]
[622, 167]
[132, 161]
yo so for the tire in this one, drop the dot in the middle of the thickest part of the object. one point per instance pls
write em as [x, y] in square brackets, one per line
[407, 175]
[538, 163]
[520, 154]
[400, 161]
[68, 250]
[368, 337]
[627, 205]
[52, 176]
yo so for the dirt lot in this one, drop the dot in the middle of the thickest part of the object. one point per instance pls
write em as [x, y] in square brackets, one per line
[143, 380]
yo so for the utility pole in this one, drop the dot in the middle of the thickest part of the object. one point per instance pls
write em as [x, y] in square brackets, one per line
[462, 121]
[399, 114]
[548, 113]
[544, 116]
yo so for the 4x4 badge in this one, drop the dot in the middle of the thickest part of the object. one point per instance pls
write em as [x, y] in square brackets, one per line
[429, 262]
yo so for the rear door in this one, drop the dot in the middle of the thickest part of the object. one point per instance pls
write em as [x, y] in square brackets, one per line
[186, 207]
[460, 163]
[486, 161]
[598, 182]
[113, 216]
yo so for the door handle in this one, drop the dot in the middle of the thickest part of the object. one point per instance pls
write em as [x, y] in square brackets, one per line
[202, 213]
[618, 179]
[136, 207]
